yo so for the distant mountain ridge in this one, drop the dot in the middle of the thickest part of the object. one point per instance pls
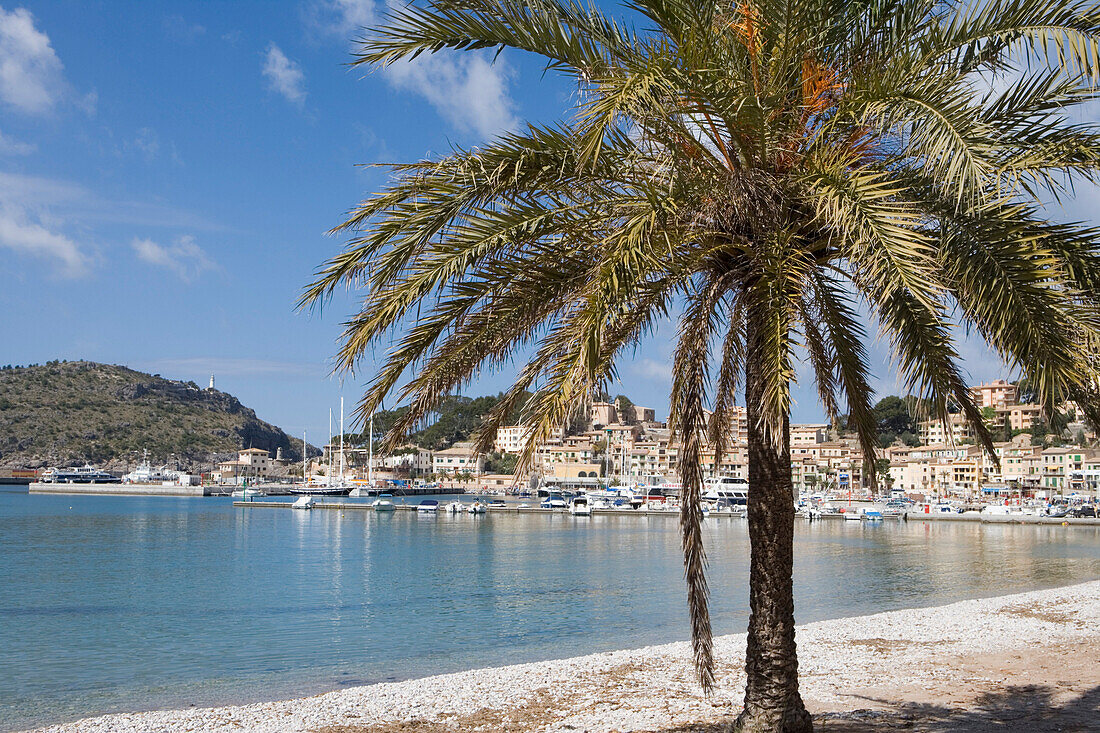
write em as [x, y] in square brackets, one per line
[63, 413]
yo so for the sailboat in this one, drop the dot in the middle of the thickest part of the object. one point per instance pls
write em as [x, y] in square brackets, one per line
[328, 488]
[359, 490]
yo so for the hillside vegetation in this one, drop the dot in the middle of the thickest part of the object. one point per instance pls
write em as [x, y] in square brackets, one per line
[63, 413]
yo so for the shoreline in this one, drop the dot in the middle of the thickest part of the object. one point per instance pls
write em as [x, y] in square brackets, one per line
[974, 662]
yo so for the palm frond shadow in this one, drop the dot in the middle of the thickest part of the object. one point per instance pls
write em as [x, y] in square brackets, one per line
[1032, 708]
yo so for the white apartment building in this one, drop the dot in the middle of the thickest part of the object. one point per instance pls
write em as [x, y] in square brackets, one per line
[459, 458]
[808, 434]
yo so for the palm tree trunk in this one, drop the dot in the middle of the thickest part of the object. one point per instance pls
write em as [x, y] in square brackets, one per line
[772, 702]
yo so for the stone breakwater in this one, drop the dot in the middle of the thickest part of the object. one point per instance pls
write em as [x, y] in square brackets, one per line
[977, 663]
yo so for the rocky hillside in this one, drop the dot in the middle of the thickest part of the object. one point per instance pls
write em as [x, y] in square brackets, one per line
[64, 413]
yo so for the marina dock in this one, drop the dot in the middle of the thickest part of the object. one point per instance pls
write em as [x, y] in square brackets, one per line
[513, 509]
[910, 516]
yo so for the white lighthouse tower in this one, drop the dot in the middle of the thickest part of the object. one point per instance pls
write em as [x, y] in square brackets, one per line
[211, 381]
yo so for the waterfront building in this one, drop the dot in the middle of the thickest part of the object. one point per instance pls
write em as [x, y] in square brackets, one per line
[459, 458]
[250, 463]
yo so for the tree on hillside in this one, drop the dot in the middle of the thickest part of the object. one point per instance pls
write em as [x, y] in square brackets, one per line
[766, 172]
[893, 419]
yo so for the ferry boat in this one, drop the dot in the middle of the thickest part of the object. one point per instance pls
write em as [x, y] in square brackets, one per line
[145, 473]
[84, 475]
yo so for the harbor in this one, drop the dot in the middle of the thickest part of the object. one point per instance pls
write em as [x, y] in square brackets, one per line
[273, 604]
[672, 512]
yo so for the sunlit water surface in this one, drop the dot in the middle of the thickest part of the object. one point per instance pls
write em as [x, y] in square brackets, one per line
[125, 603]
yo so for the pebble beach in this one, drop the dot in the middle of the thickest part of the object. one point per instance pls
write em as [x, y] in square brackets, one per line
[1029, 661]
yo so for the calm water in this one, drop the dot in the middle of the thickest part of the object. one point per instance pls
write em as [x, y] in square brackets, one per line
[122, 603]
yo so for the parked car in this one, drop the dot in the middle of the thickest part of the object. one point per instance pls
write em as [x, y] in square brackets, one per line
[1088, 510]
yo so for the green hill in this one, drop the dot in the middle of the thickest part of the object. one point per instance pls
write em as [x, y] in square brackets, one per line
[63, 413]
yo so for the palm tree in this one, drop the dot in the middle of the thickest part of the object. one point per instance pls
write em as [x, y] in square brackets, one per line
[771, 175]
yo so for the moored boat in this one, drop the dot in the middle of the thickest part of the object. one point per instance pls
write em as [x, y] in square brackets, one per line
[579, 507]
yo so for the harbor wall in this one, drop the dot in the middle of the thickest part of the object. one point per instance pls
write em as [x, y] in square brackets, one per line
[998, 518]
[120, 489]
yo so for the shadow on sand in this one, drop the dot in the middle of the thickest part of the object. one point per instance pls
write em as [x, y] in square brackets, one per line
[1028, 708]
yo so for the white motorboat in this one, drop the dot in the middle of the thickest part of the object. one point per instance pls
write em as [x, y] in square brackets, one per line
[384, 503]
[455, 507]
[428, 505]
[248, 493]
[304, 502]
[554, 501]
[477, 508]
[579, 507]
[732, 488]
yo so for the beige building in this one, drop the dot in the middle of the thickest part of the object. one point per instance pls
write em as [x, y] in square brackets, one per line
[808, 434]
[1020, 417]
[934, 431]
[997, 393]
[459, 458]
[251, 463]
[603, 413]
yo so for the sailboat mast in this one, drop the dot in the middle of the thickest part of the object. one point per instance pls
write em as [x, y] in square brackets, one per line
[305, 472]
[341, 440]
[370, 454]
[328, 477]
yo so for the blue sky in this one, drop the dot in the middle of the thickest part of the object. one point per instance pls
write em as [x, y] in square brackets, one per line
[168, 171]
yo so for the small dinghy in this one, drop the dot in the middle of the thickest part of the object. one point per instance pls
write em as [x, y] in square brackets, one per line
[304, 502]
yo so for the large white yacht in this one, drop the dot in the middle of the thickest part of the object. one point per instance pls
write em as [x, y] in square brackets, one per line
[732, 488]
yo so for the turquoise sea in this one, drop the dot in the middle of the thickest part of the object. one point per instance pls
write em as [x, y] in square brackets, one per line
[129, 603]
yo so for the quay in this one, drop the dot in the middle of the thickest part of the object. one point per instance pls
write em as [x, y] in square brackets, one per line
[1000, 518]
[910, 516]
[122, 489]
[514, 509]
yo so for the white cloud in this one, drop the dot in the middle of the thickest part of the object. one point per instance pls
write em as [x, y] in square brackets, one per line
[8, 146]
[283, 75]
[344, 18]
[467, 89]
[72, 201]
[183, 256]
[147, 143]
[181, 29]
[30, 71]
[19, 233]
[651, 369]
